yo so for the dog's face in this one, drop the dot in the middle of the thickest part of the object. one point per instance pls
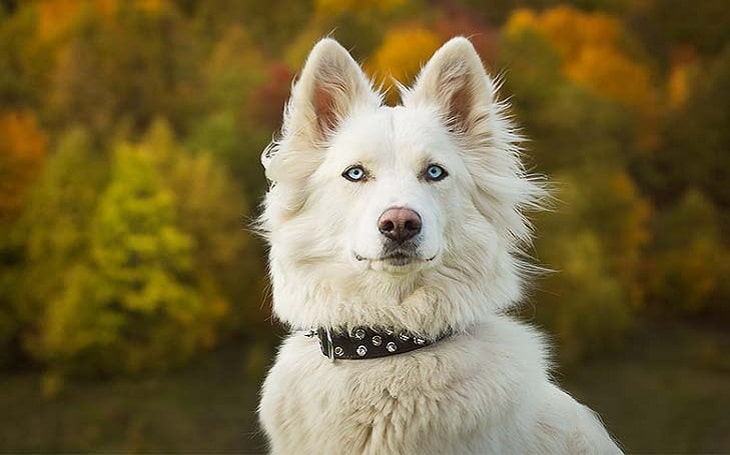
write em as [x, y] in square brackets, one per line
[376, 202]
[390, 175]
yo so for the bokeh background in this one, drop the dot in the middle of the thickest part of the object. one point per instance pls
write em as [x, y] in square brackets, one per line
[134, 310]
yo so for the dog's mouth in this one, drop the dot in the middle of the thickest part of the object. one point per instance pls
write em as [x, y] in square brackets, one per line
[396, 258]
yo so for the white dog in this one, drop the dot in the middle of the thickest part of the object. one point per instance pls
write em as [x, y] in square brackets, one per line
[395, 234]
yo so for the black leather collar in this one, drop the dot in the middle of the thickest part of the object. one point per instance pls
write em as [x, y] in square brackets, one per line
[368, 343]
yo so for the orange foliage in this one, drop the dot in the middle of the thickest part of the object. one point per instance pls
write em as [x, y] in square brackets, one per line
[632, 232]
[698, 272]
[401, 55]
[337, 7]
[54, 15]
[678, 86]
[22, 152]
[591, 45]
[612, 74]
[568, 29]
[152, 6]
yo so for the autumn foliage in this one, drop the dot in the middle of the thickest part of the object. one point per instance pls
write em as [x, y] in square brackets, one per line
[22, 154]
[130, 135]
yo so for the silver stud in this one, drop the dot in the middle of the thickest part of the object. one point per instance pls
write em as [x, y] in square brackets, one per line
[361, 350]
[360, 334]
[388, 332]
[419, 341]
[391, 347]
[339, 351]
[403, 336]
[377, 341]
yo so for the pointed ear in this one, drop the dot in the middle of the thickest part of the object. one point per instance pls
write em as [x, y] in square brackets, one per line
[454, 80]
[331, 87]
[455, 83]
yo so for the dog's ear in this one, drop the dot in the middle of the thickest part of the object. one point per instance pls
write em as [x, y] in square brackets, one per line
[330, 88]
[456, 82]
[332, 85]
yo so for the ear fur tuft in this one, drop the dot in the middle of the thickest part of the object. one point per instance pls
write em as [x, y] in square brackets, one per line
[455, 81]
[331, 86]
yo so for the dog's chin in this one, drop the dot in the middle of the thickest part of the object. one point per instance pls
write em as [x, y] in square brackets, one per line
[396, 263]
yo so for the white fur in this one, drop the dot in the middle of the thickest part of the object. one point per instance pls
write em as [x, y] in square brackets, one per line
[484, 390]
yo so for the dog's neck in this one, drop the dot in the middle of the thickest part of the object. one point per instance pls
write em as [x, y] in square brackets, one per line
[305, 299]
[370, 343]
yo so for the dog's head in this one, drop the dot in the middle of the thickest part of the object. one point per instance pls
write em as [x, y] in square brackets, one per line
[408, 215]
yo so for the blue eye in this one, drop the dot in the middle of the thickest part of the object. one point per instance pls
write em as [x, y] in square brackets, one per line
[434, 173]
[354, 173]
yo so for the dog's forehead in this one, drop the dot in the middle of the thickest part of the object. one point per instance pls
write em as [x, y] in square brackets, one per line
[392, 135]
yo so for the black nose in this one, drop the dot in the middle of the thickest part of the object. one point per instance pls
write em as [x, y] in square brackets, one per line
[399, 224]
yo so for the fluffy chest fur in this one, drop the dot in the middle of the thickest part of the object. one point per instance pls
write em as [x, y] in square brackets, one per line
[484, 391]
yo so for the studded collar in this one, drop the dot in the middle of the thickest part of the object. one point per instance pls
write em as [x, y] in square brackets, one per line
[368, 343]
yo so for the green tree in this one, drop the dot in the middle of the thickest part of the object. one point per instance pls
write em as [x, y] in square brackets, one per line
[53, 230]
[234, 126]
[144, 62]
[694, 153]
[25, 61]
[592, 242]
[595, 235]
[211, 208]
[688, 258]
[132, 304]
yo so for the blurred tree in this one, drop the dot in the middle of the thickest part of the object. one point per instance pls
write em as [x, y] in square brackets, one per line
[620, 216]
[569, 126]
[594, 240]
[403, 51]
[138, 276]
[56, 17]
[212, 210]
[132, 305]
[23, 149]
[125, 60]
[461, 22]
[668, 25]
[358, 26]
[581, 303]
[593, 51]
[336, 7]
[593, 243]
[25, 62]
[689, 259]
[694, 153]
[272, 24]
[267, 108]
[568, 29]
[168, 243]
[496, 11]
[235, 67]
[241, 92]
[22, 153]
[53, 229]
[677, 87]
